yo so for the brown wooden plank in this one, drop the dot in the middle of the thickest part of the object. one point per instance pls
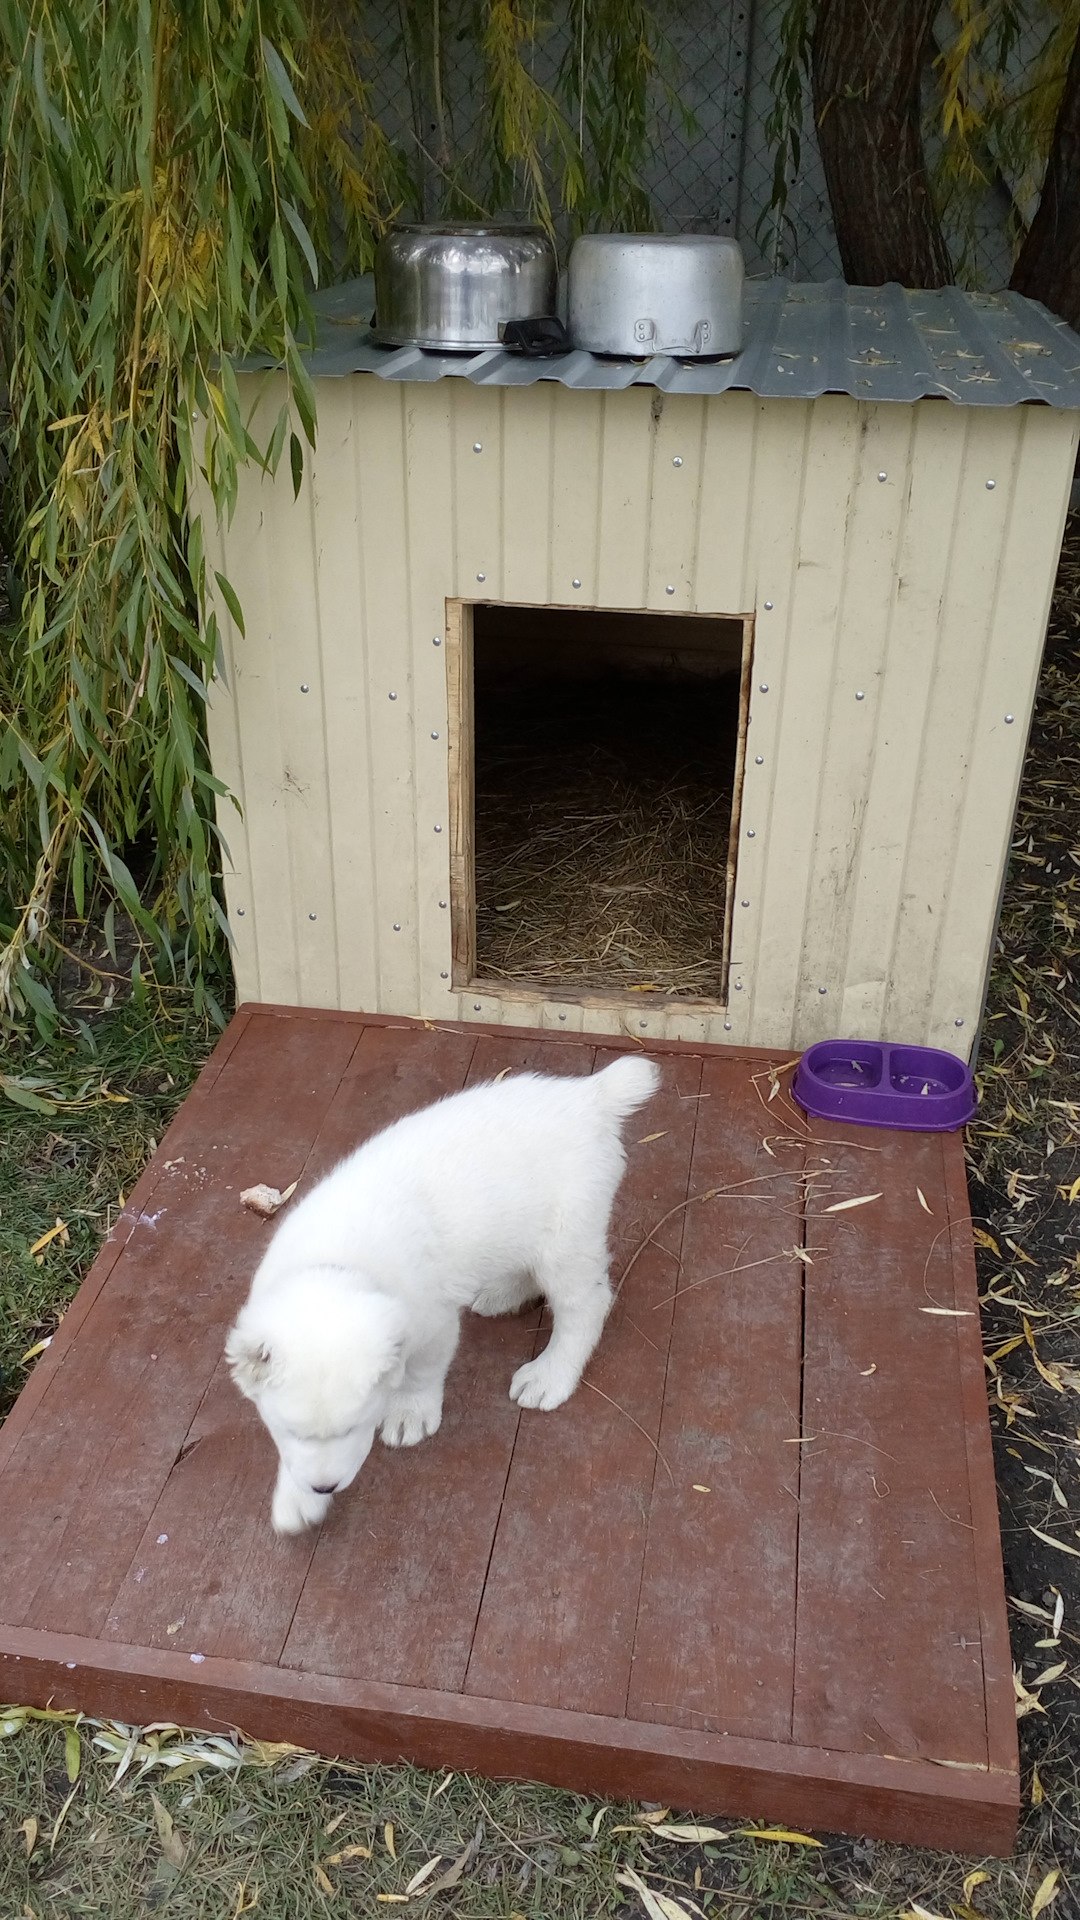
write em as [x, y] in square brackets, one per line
[209, 1575]
[888, 1637]
[182, 1129]
[396, 1579]
[986, 1540]
[909, 1801]
[80, 1480]
[556, 1624]
[716, 1628]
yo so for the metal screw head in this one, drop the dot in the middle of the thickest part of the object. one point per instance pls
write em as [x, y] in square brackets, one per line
[990, 485]
[240, 912]
[744, 903]
[677, 461]
[1009, 718]
[643, 1023]
[478, 446]
[669, 589]
[764, 687]
[476, 1007]
[304, 688]
[750, 833]
[391, 696]
[434, 736]
[727, 1026]
[397, 926]
[860, 696]
[438, 829]
[823, 990]
[759, 759]
[883, 476]
[958, 1023]
[768, 606]
[442, 903]
[436, 640]
[481, 576]
[575, 583]
[738, 986]
[444, 976]
[313, 916]
[562, 1016]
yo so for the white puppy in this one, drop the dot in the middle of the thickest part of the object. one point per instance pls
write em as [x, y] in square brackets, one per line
[486, 1200]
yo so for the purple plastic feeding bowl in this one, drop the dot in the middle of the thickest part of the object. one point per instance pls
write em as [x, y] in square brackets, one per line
[917, 1088]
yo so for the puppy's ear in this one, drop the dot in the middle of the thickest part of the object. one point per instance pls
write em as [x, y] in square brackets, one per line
[249, 1360]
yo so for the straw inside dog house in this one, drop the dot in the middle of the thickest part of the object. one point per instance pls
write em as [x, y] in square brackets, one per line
[688, 701]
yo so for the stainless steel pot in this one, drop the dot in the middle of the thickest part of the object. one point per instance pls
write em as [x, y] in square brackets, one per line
[453, 288]
[637, 294]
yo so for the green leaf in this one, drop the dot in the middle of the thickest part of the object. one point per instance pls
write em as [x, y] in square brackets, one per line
[72, 1754]
[228, 594]
[275, 67]
[303, 237]
[21, 1096]
[296, 462]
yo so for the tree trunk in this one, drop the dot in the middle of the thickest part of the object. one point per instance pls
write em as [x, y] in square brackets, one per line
[867, 57]
[1048, 265]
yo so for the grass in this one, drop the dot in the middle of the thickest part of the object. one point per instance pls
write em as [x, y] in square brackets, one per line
[236, 1829]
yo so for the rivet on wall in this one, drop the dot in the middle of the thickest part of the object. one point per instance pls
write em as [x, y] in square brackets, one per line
[438, 829]
[990, 485]
[883, 476]
[443, 903]
[240, 912]
[958, 1023]
[669, 589]
[481, 576]
[476, 1007]
[1009, 718]
[478, 446]
[434, 736]
[860, 695]
[727, 1026]
[313, 916]
[444, 976]
[764, 687]
[677, 460]
[397, 926]
[738, 986]
[768, 606]
[643, 1023]
[391, 696]
[750, 833]
[823, 990]
[436, 640]
[759, 759]
[304, 688]
[575, 583]
[744, 903]
[562, 1016]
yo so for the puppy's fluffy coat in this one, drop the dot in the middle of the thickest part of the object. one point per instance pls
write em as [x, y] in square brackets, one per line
[486, 1200]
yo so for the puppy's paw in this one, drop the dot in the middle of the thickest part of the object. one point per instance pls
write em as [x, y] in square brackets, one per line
[294, 1508]
[538, 1384]
[496, 1300]
[410, 1420]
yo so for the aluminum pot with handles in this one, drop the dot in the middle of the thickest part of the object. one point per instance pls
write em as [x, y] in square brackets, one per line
[637, 294]
[453, 288]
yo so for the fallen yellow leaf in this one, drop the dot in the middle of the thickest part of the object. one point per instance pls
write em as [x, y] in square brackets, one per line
[698, 1836]
[780, 1833]
[973, 1880]
[645, 1138]
[862, 1200]
[1046, 1892]
[388, 1836]
[324, 1881]
[29, 1831]
[1060, 1544]
[425, 1873]
[986, 1240]
[923, 1202]
[348, 1853]
[59, 1228]
[1037, 1793]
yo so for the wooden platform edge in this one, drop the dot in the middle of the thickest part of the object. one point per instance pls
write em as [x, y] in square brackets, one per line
[914, 1802]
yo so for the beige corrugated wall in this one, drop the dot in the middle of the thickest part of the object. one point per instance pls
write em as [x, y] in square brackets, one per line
[900, 603]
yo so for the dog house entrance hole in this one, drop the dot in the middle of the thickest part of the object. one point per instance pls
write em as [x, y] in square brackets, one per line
[596, 767]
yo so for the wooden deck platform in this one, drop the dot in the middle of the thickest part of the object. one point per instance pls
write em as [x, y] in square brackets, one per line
[752, 1568]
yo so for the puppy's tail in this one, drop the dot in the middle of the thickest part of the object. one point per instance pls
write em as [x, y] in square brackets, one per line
[626, 1085]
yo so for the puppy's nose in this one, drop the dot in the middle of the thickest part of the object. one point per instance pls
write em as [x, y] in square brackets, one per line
[324, 1489]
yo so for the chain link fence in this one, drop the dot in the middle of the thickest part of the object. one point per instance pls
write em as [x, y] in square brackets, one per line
[712, 161]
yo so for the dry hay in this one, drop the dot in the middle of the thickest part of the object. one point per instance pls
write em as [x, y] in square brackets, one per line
[602, 821]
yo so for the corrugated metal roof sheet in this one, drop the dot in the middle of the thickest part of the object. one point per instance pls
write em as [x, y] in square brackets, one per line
[802, 339]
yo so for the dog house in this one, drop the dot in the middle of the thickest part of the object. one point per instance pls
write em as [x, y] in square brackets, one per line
[680, 700]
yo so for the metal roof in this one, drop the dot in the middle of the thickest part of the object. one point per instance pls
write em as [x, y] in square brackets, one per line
[802, 339]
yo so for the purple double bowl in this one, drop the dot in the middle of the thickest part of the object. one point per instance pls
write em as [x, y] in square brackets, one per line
[920, 1089]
